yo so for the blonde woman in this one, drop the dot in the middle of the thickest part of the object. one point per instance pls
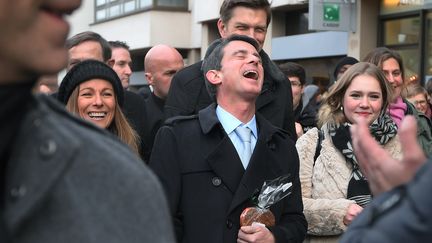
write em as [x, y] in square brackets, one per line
[334, 189]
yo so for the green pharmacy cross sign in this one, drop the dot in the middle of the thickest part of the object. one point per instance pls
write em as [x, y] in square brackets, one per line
[331, 12]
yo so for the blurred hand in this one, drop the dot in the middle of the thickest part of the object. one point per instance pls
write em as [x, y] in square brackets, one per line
[382, 171]
[255, 233]
[352, 212]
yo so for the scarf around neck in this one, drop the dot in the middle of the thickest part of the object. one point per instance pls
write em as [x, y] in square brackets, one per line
[397, 110]
[382, 129]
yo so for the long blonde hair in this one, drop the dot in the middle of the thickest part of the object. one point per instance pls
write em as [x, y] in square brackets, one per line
[119, 126]
[331, 111]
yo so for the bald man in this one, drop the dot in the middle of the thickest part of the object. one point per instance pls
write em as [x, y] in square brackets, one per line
[160, 64]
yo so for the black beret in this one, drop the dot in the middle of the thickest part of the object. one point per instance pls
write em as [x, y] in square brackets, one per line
[87, 70]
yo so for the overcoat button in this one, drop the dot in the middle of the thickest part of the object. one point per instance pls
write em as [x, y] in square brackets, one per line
[229, 224]
[18, 192]
[48, 148]
[37, 122]
[216, 181]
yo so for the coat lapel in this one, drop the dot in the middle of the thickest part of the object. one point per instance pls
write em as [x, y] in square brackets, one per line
[226, 164]
[222, 156]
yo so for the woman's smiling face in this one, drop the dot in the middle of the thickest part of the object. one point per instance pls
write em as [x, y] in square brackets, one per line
[363, 98]
[97, 102]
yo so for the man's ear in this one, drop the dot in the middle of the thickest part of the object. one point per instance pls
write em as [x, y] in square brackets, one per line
[149, 78]
[111, 62]
[214, 77]
[221, 28]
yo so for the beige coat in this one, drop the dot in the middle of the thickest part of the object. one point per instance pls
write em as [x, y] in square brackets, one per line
[325, 184]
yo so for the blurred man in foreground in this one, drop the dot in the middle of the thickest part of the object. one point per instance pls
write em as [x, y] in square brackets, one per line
[63, 180]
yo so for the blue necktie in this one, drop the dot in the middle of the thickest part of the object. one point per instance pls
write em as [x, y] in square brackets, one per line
[244, 133]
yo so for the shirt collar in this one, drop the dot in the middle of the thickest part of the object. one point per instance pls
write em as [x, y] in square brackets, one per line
[230, 122]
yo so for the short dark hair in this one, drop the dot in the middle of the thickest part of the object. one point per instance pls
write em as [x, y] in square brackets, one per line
[119, 44]
[214, 59]
[90, 36]
[228, 6]
[381, 54]
[291, 69]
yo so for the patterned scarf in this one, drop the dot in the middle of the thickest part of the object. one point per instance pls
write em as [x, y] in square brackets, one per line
[382, 129]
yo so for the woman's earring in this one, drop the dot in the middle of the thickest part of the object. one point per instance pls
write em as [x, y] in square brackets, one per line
[341, 108]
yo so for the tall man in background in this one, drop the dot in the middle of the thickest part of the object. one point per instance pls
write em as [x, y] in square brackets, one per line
[188, 94]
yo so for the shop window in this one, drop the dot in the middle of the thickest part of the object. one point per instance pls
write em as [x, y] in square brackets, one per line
[403, 35]
[402, 31]
[411, 63]
[407, 28]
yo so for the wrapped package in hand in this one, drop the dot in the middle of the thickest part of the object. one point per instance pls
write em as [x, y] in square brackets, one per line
[271, 192]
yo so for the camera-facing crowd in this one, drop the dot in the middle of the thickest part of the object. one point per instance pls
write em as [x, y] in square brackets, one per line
[94, 161]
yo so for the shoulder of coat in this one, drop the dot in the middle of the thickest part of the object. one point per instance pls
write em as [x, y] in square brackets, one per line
[179, 119]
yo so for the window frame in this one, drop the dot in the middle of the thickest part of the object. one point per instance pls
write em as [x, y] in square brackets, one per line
[138, 9]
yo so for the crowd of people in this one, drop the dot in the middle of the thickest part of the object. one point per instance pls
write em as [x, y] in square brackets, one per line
[95, 161]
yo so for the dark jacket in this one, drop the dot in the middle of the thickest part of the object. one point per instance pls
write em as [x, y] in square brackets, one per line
[155, 119]
[207, 186]
[134, 108]
[69, 181]
[306, 116]
[188, 95]
[401, 215]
